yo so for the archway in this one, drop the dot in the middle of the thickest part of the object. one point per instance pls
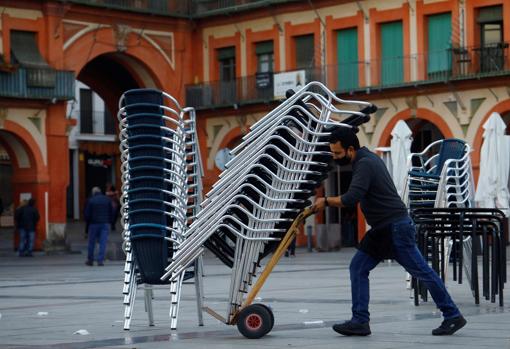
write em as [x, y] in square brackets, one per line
[424, 133]
[94, 156]
[23, 176]
[425, 125]
[476, 131]
[506, 119]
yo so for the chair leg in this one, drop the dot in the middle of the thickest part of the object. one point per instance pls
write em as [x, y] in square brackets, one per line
[175, 295]
[148, 296]
[199, 290]
[129, 298]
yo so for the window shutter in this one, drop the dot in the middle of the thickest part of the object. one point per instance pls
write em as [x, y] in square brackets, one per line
[264, 47]
[439, 43]
[347, 55]
[392, 71]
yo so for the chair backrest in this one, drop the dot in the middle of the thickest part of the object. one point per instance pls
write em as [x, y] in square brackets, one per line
[452, 148]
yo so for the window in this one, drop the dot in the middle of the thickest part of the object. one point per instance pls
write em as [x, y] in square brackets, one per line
[227, 63]
[227, 73]
[392, 70]
[109, 123]
[304, 51]
[86, 117]
[439, 44]
[347, 56]
[492, 50]
[265, 56]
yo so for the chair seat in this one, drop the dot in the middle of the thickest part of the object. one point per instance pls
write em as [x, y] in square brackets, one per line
[423, 175]
[422, 196]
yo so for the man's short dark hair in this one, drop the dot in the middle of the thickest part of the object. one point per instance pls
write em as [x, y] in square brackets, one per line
[345, 136]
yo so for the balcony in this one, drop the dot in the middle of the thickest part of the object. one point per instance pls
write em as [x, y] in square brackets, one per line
[180, 8]
[204, 8]
[451, 65]
[29, 83]
[176, 8]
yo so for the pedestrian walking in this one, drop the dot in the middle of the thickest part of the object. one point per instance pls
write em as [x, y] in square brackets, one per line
[26, 217]
[98, 216]
[392, 235]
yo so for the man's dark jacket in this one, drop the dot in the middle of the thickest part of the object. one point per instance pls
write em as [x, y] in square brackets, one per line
[99, 210]
[27, 217]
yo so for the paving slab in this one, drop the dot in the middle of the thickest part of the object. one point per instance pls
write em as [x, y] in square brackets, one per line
[45, 300]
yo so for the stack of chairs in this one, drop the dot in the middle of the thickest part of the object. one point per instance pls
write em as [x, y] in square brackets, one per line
[273, 173]
[161, 173]
[440, 178]
[473, 232]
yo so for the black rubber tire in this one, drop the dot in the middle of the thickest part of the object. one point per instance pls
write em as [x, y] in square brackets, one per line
[255, 321]
[270, 312]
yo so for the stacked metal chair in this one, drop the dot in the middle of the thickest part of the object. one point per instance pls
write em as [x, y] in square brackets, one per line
[440, 192]
[273, 173]
[161, 175]
[440, 179]
[439, 176]
[482, 232]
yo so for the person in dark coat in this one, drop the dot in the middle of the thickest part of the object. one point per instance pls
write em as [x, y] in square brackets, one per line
[26, 217]
[392, 235]
[98, 214]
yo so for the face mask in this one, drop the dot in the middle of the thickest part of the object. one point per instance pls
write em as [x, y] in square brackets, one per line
[346, 160]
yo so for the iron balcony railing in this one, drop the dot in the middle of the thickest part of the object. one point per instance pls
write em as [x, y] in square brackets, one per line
[177, 8]
[180, 8]
[31, 83]
[97, 122]
[432, 67]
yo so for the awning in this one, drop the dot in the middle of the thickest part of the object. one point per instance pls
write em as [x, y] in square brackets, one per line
[490, 14]
[100, 148]
[25, 52]
[226, 53]
[264, 47]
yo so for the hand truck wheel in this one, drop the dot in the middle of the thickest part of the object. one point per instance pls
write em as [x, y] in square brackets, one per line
[255, 321]
[270, 312]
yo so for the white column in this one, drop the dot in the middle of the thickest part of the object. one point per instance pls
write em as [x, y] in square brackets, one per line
[76, 184]
[46, 215]
[368, 65]
[413, 38]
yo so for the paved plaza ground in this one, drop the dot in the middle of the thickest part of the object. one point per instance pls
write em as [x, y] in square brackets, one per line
[46, 300]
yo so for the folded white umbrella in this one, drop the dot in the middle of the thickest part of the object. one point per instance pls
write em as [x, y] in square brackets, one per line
[492, 189]
[400, 149]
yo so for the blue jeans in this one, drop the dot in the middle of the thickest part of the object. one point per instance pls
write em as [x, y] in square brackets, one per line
[26, 241]
[98, 232]
[407, 254]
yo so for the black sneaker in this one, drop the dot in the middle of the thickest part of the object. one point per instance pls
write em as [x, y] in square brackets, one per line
[89, 263]
[100, 264]
[450, 326]
[350, 328]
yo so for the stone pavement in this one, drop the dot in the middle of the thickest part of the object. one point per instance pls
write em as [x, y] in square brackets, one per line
[45, 300]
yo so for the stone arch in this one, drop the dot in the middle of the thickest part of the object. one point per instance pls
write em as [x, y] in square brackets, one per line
[29, 172]
[475, 132]
[157, 70]
[425, 114]
[24, 151]
[231, 136]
